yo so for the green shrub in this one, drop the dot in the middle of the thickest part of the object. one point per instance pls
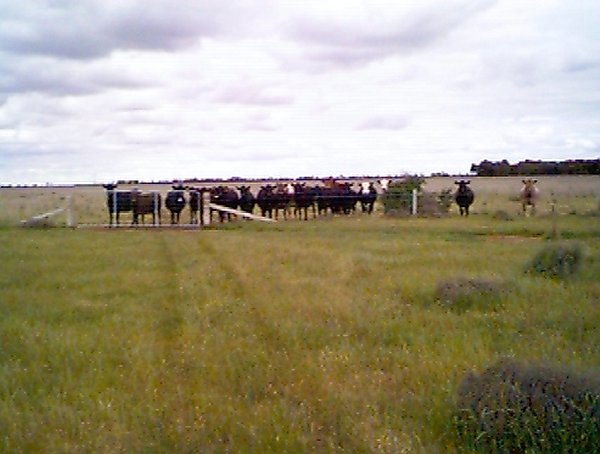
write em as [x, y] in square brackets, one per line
[514, 407]
[556, 260]
[445, 199]
[397, 200]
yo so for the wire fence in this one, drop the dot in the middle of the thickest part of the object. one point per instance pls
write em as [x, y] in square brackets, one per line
[88, 205]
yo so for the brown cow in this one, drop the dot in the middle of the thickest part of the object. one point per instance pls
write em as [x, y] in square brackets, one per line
[529, 195]
[143, 203]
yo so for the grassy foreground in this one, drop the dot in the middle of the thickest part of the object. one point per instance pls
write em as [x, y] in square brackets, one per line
[294, 337]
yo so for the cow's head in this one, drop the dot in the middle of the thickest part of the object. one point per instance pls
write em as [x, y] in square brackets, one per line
[384, 183]
[109, 186]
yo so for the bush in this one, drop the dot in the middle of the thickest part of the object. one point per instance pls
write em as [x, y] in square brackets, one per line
[514, 407]
[398, 197]
[558, 260]
[397, 201]
[464, 293]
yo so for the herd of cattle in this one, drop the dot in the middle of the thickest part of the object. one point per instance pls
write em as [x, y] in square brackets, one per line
[285, 200]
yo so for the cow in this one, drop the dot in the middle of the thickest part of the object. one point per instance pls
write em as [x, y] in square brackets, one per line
[143, 203]
[247, 200]
[282, 199]
[340, 198]
[196, 203]
[304, 198]
[464, 196]
[117, 202]
[265, 200]
[367, 196]
[175, 202]
[529, 195]
[343, 198]
[384, 183]
[323, 199]
[227, 197]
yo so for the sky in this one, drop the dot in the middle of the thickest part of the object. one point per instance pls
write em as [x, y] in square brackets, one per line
[102, 90]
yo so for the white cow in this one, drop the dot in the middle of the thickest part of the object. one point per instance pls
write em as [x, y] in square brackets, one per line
[384, 183]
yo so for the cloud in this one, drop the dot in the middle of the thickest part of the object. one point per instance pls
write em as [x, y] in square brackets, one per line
[380, 31]
[396, 122]
[259, 122]
[93, 29]
[251, 94]
[41, 75]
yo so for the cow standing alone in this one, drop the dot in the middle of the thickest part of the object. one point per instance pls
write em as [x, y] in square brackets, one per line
[464, 197]
[529, 195]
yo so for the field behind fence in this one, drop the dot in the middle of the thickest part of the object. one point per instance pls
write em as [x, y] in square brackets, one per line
[567, 194]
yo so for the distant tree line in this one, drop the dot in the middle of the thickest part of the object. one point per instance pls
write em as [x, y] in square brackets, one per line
[528, 167]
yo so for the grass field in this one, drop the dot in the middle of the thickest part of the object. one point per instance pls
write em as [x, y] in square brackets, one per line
[293, 337]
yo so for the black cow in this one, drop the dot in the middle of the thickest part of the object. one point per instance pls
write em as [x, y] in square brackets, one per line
[227, 197]
[117, 202]
[464, 196]
[247, 200]
[265, 200]
[143, 203]
[323, 199]
[343, 198]
[367, 197]
[282, 199]
[175, 202]
[304, 198]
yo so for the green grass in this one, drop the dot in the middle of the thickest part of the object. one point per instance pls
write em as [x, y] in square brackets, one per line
[293, 337]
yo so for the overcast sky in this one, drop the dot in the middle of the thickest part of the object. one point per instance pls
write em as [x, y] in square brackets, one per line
[100, 90]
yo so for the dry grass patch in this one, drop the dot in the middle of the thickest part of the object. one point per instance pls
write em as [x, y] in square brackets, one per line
[464, 293]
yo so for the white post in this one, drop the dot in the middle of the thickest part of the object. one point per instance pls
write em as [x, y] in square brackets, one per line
[206, 208]
[155, 208]
[414, 202]
[115, 215]
[70, 220]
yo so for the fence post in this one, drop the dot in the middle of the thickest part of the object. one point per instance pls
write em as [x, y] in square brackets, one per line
[155, 210]
[206, 208]
[414, 202]
[115, 216]
[70, 220]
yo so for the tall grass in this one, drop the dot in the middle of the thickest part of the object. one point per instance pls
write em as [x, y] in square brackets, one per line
[296, 337]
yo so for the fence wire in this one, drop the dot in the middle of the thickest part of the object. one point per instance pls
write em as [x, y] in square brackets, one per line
[89, 204]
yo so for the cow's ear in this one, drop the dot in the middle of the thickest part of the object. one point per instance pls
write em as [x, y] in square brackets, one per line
[456, 182]
[535, 181]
